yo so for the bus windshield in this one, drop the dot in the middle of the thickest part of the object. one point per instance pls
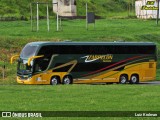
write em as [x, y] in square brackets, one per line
[28, 51]
[24, 69]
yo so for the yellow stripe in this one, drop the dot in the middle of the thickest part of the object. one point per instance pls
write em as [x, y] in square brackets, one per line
[104, 72]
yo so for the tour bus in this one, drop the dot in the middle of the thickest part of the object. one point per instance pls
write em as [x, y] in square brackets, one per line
[86, 62]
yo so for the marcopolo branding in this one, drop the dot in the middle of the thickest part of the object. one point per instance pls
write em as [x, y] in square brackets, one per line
[150, 5]
[103, 58]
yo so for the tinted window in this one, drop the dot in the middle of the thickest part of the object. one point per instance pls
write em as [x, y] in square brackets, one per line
[95, 49]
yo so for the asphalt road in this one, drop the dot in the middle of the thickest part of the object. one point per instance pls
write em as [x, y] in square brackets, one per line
[150, 83]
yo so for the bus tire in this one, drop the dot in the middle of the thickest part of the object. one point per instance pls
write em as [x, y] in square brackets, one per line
[67, 80]
[123, 79]
[55, 80]
[134, 79]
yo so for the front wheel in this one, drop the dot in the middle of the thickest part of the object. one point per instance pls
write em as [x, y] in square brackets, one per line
[67, 80]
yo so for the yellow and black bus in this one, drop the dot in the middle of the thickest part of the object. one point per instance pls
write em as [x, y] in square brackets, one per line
[88, 62]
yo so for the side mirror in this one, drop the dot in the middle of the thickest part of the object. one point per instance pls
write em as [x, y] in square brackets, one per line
[33, 57]
[13, 58]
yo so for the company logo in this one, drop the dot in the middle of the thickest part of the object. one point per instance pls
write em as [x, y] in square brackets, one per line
[150, 2]
[21, 114]
[6, 114]
[149, 6]
[103, 58]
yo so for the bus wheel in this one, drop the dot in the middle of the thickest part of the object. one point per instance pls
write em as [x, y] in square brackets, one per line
[123, 79]
[67, 80]
[54, 80]
[134, 79]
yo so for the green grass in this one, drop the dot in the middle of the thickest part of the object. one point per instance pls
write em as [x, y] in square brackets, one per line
[105, 30]
[80, 98]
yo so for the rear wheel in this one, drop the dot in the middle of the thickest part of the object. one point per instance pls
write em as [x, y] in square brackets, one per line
[54, 80]
[123, 79]
[67, 80]
[134, 79]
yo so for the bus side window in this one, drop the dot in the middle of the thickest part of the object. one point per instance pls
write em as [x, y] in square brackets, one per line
[37, 68]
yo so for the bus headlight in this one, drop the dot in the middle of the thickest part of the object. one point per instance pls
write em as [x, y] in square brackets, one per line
[29, 78]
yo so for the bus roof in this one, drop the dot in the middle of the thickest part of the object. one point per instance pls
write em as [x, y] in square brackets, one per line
[92, 43]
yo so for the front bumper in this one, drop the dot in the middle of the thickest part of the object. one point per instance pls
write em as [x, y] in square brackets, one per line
[25, 81]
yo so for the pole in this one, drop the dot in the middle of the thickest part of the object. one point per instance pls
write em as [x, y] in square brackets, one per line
[47, 18]
[31, 17]
[37, 18]
[57, 18]
[133, 7]
[3, 71]
[86, 16]
[60, 22]
[71, 6]
[157, 13]
[128, 9]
